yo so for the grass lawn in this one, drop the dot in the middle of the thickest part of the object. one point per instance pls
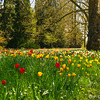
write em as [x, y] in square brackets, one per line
[49, 74]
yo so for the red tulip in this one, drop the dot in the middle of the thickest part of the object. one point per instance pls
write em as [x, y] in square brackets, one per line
[92, 56]
[31, 51]
[3, 82]
[1, 51]
[25, 53]
[19, 53]
[16, 65]
[22, 70]
[29, 54]
[57, 65]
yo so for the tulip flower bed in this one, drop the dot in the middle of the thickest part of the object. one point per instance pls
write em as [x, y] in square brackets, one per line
[49, 74]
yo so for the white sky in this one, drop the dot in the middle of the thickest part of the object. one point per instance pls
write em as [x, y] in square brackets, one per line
[31, 1]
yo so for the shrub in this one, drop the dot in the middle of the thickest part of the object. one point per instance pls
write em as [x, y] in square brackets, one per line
[30, 45]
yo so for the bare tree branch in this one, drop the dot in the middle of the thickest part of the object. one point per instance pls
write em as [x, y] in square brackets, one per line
[80, 8]
[74, 27]
[84, 4]
[71, 13]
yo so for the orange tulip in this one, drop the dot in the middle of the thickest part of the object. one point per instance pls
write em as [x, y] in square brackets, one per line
[61, 69]
[39, 74]
[73, 74]
[69, 75]
[64, 66]
[67, 68]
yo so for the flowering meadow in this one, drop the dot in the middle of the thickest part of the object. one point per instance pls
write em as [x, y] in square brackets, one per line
[49, 74]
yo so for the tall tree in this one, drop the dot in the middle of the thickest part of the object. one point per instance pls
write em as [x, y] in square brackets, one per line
[47, 16]
[94, 22]
[94, 25]
[23, 24]
[7, 18]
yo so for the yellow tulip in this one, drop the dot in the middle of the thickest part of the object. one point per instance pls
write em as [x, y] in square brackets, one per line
[39, 74]
[69, 75]
[64, 66]
[67, 68]
[60, 74]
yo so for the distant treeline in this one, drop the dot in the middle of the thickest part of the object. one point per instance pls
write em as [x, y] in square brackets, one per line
[44, 26]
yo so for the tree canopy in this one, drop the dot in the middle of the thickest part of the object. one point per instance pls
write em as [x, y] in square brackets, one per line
[52, 23]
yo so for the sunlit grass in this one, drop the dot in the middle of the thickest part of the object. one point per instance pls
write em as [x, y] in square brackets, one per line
[49, 74]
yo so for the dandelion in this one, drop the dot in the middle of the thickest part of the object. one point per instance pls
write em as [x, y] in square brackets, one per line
[29, 87]
[82, 89]
[81, 58]
[72, 64]
[96, 74]
[90, 96]
[10, 93]
[61, 56]
[82, 68]
[39, 74]
[25, 92]
[45, 92]
[21, 93]
[4, 86]
[99, 97]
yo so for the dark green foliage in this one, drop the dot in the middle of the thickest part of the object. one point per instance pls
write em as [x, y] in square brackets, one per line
[44, 26]
[7, 19]
[50, 31]
[17, 21]
[30, 45]
[20, 35]
[50, 34]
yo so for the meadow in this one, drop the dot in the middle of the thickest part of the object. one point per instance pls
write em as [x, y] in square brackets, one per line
[49, 74]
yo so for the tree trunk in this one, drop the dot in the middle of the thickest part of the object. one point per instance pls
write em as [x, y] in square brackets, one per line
[94, 25]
